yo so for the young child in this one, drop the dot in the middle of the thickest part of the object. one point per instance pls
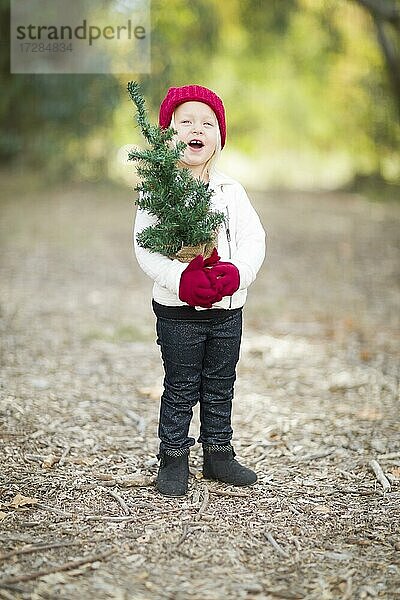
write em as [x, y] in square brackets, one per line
[198, 306]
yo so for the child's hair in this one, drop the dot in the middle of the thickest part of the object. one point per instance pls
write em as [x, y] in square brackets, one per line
[209, 167]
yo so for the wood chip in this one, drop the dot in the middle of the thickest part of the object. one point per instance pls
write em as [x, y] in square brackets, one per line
[380, 476]
[275, 544]
[20, 500]
[205, 501]
[68, 566]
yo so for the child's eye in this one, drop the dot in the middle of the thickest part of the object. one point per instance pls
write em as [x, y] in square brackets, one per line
[209, 123]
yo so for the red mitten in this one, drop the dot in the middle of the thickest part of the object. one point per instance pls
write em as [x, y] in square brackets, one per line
[227, 278]
[214, 258]
[210, 262]
[196, 288]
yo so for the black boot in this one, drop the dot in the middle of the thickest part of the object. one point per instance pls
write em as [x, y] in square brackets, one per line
[220, 464]
[173, 473]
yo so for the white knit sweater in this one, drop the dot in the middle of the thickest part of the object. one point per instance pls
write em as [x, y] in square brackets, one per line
[241, 241]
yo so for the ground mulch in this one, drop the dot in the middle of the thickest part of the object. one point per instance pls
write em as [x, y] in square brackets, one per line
[316, 410]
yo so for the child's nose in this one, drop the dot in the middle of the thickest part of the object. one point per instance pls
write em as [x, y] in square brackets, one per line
[197, 127]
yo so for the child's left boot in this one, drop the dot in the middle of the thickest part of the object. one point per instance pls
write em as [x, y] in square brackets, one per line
[220, 464]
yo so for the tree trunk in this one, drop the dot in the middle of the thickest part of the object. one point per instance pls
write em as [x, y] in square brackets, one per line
[387, 15]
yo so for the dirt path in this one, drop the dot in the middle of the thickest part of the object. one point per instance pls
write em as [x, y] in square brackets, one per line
[316, 402]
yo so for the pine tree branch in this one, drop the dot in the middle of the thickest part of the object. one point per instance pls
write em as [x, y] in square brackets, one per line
[180, 202]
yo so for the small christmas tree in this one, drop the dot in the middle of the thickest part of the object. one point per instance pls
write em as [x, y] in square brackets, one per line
[186, 226]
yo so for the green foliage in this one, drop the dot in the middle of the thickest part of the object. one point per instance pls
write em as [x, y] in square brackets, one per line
[56, 123]
[179, 201]
[303, 81]
[184, 39]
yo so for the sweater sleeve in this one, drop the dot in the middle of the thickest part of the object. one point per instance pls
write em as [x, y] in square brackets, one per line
[163, 270]
[250, 240]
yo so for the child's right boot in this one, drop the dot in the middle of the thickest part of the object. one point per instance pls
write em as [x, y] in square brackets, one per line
[173, 473]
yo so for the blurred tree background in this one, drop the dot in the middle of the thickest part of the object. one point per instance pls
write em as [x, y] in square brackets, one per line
[311, 89]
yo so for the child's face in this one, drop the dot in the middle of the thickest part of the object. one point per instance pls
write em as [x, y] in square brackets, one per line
[196, 122]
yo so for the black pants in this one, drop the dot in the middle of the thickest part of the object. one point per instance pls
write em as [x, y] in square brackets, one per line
[200, 359]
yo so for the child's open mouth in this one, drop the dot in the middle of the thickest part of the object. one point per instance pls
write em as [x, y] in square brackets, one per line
[196, 145]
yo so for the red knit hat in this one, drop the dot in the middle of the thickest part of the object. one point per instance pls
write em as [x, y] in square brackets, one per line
[187, 93]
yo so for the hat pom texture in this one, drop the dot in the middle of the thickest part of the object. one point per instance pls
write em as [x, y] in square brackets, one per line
[188, 93]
